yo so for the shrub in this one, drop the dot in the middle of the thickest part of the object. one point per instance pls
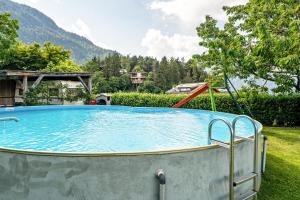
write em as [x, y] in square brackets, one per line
[268, 109]
[46, 92]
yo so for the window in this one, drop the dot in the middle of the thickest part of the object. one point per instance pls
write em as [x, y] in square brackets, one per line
[184, 89]
[73, 92]
[20, 92]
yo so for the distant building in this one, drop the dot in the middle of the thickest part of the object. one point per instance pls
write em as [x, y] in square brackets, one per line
[15, 83]
[123, 71]
[103, 99]
[185, 88]
[138, 77]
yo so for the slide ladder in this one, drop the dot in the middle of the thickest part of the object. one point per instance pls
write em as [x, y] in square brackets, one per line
[242, 107]
[235, 181]
[195, 93]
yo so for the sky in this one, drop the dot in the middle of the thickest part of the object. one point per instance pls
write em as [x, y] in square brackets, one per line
[154, 28]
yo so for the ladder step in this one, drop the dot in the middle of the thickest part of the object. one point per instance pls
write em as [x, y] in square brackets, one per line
[222, 144]
[244, 178]
[247, 195]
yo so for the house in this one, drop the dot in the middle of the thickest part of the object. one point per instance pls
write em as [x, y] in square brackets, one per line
[138, 77]
[15, 83]
[185, 88]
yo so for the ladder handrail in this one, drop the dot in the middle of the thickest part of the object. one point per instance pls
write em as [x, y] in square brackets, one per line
[236, 119]
[212, 122]
[256, 145]
[231, 156]
[9, 119]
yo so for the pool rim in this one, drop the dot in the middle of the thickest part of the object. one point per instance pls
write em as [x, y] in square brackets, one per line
[107, 154]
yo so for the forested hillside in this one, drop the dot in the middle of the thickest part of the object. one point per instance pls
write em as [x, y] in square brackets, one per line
[37, 27]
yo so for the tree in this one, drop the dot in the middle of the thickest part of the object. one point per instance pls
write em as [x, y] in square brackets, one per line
[149, 87]
[100, 84]
[111, 66]
[260, 40]
[174, 71]
[92, 65]
[63, 66]
[194, 72]
[25, 57]
[35, 57]
[223, 46]
[8, 35]
[162, 71]
[55, 54]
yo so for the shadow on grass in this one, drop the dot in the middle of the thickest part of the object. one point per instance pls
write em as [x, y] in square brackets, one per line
[281, 181]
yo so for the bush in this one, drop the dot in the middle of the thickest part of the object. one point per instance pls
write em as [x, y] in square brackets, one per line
[268, 109]
[46, 92]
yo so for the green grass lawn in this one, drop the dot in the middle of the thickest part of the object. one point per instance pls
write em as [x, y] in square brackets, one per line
[282, 178]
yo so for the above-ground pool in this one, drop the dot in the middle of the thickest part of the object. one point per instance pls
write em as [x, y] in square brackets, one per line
[113, 152]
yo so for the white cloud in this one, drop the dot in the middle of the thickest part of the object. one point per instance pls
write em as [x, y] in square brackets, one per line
[177, 45]
[193, 12]
[81, 28]
[187, 13]
[103, 45]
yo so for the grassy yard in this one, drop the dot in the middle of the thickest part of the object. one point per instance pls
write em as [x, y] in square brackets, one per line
[282, 178]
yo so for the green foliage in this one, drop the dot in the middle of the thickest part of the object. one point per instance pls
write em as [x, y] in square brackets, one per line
[63, 66]
[113, 84]
[8, 34]
[48, 57]
[111, 66]
[149, 87]
[92, 65]
[268, 109]
[45, 92]
[37, 27]
[112, 73]
[260, 40]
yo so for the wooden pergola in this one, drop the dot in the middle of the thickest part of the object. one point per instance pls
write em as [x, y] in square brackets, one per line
[9, 79]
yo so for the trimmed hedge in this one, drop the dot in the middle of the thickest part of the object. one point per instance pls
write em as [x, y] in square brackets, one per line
[281, 110]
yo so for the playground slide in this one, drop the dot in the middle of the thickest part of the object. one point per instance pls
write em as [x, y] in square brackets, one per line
[195, 93]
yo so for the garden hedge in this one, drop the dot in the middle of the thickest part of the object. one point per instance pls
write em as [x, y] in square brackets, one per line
[283, 110]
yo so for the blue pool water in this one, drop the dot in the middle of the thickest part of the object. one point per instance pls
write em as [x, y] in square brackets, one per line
[110, 128]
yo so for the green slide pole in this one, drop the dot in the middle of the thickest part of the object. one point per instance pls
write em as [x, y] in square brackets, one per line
[212, 99]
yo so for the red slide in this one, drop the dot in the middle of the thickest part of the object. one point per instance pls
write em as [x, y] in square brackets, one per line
[195, 93]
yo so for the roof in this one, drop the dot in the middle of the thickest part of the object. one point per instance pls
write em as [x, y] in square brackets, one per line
[191, 85]
[38, 73]
[185, 88]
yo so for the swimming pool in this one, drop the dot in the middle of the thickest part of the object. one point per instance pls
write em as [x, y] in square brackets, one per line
[112, 152]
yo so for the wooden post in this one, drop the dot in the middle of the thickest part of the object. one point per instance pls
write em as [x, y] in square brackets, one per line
[90, 84]
[83, 83]
[25, 85]
[38, 80]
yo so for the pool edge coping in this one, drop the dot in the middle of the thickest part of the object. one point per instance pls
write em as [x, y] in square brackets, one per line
[110, 154]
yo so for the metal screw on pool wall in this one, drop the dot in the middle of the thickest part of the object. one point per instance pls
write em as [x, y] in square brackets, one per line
[160, 175]
[9, 119]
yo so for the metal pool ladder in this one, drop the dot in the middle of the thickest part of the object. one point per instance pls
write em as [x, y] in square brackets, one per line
[9, 119]
[233, 181]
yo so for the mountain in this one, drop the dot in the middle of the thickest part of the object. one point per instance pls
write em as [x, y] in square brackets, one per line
[37, 27]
